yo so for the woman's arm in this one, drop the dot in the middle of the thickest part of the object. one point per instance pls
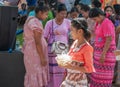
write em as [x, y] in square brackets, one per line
[105, 49]
[39, 47]
[48, 31]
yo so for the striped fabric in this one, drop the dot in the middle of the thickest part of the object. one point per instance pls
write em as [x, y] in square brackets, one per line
[75, 78]
[56, 72]
[104, 72]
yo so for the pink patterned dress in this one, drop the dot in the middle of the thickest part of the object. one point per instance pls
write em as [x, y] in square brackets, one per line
[104, 72]
[36, 75]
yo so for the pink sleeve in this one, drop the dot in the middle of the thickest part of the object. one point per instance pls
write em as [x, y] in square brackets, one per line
[108, 29]
[35, 25]
[47, 29]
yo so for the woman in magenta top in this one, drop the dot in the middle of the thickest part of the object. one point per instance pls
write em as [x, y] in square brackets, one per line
[104, 58]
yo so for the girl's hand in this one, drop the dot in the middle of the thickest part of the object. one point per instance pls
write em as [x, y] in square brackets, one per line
[66, 65]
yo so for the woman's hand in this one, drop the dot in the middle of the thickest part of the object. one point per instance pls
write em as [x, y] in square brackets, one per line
[105, 48]
[102, 58]
[43, 62]
[118, 29]
[57, 32]
[117, 52]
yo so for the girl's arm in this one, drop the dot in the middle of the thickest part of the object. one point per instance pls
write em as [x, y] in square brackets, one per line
[86, 66]
[68, 65]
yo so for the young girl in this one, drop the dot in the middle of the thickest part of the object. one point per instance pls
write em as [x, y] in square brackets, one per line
[81, 53]
[35, 50]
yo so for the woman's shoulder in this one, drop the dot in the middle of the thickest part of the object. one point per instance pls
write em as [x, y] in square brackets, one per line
[67, 20]
[106, 20]
[50, 21]
[32, 18]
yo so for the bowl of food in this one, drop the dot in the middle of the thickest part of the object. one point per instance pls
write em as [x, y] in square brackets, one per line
[63, 59]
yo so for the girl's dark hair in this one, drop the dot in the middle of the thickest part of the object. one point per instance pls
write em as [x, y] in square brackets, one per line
[85, 8]
[74, 9]
[96, 3]
[81, 23]
[96, 12]
[41, 7]
[61, 7]
[108, 7]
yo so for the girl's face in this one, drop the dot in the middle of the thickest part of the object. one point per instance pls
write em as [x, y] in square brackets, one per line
[84, 14]
[42, 15]
[74, 15]
[79, 8]
[75, 33]
[109, 11]
[62, 14]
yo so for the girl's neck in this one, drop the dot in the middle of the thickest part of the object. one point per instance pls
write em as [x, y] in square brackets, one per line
[80, 42]
[38, 17]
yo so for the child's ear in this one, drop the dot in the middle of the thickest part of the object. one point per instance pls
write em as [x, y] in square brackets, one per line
[80, 31]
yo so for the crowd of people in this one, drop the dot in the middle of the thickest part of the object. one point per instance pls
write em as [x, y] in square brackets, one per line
[92, 33]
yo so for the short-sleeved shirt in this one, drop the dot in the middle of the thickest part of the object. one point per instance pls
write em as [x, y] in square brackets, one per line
[83, 54]
[103, 30]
